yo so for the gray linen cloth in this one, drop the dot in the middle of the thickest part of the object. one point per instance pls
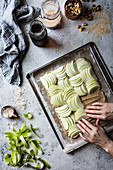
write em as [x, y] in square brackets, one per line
[13, 44]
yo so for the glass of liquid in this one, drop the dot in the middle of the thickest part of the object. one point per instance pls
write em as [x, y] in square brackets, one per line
[38, 33]
[51, 13]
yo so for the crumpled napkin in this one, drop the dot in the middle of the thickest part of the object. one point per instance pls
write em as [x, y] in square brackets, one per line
[13, 43]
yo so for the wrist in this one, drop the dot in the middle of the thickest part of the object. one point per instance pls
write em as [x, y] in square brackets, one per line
[108, 145]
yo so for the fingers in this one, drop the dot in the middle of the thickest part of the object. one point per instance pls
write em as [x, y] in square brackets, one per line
[97, 123]
[93, 111]
[96, 116]
[83, 130]
[94, 107]
[88, 124]
[81, 135]
[98, 104]
[84, 126]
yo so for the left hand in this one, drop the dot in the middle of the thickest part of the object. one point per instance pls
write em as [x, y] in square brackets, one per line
[93, 134]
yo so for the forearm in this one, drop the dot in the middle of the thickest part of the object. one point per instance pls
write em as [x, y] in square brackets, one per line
[109, 147]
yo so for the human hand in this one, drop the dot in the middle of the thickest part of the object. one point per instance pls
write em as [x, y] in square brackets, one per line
[94, 134]
[99, 110]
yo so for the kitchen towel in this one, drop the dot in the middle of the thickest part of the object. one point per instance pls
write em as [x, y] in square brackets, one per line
[13, 43]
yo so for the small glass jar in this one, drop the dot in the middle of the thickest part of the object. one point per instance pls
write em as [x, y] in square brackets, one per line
[51, 13]
[38, 33]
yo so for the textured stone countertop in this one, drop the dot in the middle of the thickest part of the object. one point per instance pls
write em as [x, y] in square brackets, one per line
[63, 40]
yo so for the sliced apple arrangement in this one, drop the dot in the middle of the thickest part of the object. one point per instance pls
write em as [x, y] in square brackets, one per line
[76, 80]
[60, 73]
[64, 86]
[92, 85]
[81, 90]
[53, 90]
[75, 103]
[69, 93]
[73, 131]
[58, 100]
[48, 80]
[79, 114]
[71, 70]
[67, 122]
[87, 74]
[63, 111]
[82, 64]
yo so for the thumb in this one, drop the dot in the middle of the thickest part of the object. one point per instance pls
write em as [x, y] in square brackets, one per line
[97, 123]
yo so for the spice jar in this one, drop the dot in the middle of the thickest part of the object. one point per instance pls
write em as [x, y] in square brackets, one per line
[38, 33]
[51, 13]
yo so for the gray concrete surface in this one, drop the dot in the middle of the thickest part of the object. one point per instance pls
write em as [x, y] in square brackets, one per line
[63, 40]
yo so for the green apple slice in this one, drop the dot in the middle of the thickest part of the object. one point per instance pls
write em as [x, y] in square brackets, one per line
[87, 74]
[67, 122]
[69, 93]
[60, 73]
[73, 131]
[53, 90]
[71, 69]
[82, 64]
[63, 84]
[58, 100]
[73, 118]
[48, 80]
[76, 80]
[75, 103]
[63, 111]
[92, 85]
[81, 90]
[79, 114]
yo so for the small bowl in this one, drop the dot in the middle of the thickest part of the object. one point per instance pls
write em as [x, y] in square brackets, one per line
[69, 15]
[8, 112]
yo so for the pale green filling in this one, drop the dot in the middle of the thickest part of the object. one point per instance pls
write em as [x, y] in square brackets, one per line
[92, 85]
[63, 111]
[64, 86]
[53, 90]
[71, 69]
[48, 80]
[75, 103]
[87, 74]
[81, 90]
[67, 122]
[79, 114]
[76, 80]
[82, 64]
[73, 130]
[58, 100]
[60, 73]
[69, 93]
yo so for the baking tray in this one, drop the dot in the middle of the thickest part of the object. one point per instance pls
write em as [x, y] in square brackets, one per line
[90, 52]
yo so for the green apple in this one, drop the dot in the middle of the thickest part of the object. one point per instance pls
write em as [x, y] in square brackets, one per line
[60, 73]
[71, 69]
[63, 84]
[79, 114]
[63, 111]
[69, 93]
[76, 80]
[92, 85]
[73, 131]
[48, 80]
[74, 103]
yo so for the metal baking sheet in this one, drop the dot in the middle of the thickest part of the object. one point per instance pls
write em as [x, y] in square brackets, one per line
[90, 52]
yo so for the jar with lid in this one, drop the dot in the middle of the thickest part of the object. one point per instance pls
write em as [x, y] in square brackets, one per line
[38, 33]
[51, 13]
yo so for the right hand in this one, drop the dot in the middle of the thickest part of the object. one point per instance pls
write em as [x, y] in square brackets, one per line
[99, 110]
